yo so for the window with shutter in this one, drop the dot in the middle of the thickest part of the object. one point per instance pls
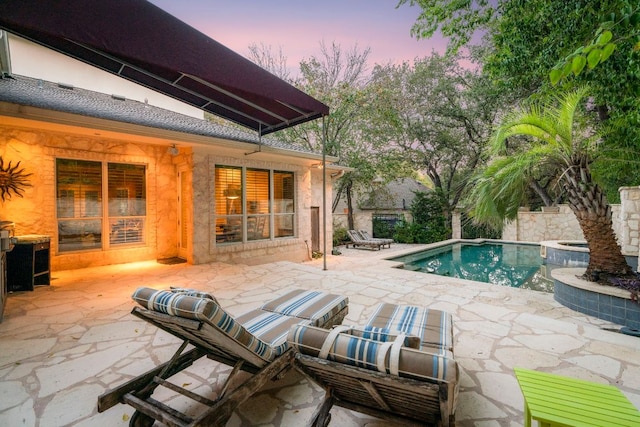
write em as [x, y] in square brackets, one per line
[127, 203]
[257, 199]
[228, 194]
[79, 204]
[82, 217]
[284, 202]
[253, 204]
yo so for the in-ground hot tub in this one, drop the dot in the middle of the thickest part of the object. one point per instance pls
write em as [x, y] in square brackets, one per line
[572, 254]
[565, 253]
[604, 302]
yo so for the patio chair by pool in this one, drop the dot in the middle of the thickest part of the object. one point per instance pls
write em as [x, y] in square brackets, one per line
[365, 236]
[384, 372]
[357, 241]
[254, 342]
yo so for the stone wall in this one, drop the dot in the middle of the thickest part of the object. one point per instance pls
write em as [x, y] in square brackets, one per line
[548, 225]
[35, 213]
[563, 225]
[629, 235]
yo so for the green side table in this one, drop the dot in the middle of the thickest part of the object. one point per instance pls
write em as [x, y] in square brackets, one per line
[557, 401]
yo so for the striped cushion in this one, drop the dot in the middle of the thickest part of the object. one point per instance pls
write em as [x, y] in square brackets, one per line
[318, 307]
[206, 310]
[175, 303]
[271, 328]
[374, 355]
[434, 327]
[193, 293]
[383, 335]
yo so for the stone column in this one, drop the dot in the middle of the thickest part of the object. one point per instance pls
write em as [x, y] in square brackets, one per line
[630, 220]
[456, 224]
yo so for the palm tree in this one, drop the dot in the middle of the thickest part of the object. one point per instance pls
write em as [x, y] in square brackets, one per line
[556, 144]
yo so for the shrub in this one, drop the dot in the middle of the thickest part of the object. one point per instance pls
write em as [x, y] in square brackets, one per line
[339, 236]
[429, 222]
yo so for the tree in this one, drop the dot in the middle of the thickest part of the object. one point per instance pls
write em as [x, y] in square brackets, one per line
[626, 25]
[456, 20]
[436, 117]
[527, 38]
[338, 78]
[274, 62]
[429, 222]
[557, 140]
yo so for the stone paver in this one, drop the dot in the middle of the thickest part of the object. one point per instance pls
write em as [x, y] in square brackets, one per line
[63, 345]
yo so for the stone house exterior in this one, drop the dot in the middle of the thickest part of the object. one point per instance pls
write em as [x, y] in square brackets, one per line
[385, 201]
[121, 173]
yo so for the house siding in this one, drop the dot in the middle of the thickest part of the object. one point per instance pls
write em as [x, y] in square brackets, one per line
[35, 213]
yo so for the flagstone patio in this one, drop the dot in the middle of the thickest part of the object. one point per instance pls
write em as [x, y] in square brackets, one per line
[63, 345]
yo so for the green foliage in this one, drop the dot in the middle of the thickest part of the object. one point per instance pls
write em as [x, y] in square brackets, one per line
[429, 221]
[457, 20]
[528, 38]
[601, 46]
[382, 229]
[556, 144]
[471, 230]
[339, 236]
[410, 232]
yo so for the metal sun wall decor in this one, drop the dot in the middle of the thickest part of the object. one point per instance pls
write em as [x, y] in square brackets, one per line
[12, 180]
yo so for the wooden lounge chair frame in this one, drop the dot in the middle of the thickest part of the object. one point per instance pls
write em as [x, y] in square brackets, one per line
[365, 235]
[137, 392]
[357, 241]
[209, 342]
[392, 398]
[400, 366]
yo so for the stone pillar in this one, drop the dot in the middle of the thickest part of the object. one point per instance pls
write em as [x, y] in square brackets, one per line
[456, 224]
[630, 220]
[510, 230]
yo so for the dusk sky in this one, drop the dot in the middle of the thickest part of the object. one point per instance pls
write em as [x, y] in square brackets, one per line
[298, 27]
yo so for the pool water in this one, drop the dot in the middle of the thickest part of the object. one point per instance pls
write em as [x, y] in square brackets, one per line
[506, 264]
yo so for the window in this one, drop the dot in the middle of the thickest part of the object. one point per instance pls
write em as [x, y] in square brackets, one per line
[127, 203]
[228, 204]
[83, 219]
[257, 200]
[283, 201]
[253, 204]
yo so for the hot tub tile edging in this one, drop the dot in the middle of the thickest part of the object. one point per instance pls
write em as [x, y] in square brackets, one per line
[610, 304]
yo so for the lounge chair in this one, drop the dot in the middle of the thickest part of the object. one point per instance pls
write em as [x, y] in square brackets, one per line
[358, 241]
[365, 236]
[254, 342]
[384, 372]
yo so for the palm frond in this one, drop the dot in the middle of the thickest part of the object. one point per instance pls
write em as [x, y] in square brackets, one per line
[565, 112]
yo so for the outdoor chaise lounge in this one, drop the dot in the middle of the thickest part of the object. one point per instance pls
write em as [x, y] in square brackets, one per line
[254, 342]
[384, 241]
[398, 367]
[358, 241]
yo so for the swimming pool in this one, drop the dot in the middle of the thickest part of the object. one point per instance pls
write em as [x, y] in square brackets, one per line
[506, 264]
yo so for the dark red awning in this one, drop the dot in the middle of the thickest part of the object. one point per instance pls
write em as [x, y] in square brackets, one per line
[138, 41]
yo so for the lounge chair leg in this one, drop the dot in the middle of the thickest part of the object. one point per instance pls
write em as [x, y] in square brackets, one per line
[445, 418]
[175, 365]
[218, 414]
[148, 390]
[138, 419]
[322, 416]
[232, 375]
